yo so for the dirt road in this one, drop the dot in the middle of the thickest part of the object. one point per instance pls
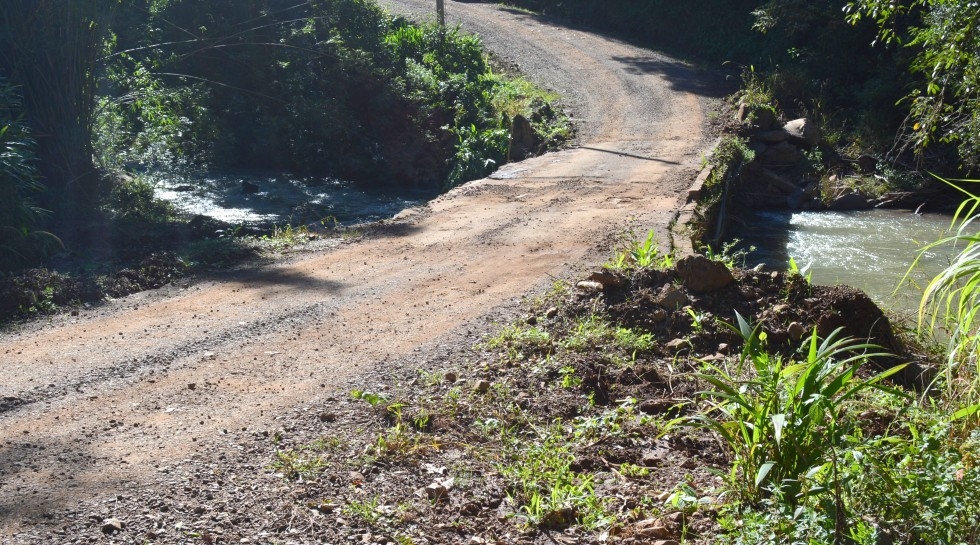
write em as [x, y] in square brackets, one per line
[93, 405]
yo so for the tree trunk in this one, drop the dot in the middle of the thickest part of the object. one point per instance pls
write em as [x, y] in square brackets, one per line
[50, 48]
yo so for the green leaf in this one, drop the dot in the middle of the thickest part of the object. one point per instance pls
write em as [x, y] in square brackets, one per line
[965, 412]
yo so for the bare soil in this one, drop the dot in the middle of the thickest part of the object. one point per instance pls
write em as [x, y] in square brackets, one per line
[160, 408]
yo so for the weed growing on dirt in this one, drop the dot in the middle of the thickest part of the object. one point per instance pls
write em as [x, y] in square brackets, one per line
[785, 423]
[636, 253]
[298, 465]
[548, 492]
[367, 510]
[520, 342]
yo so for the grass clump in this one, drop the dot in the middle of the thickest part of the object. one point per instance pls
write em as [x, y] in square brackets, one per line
[636, 253]
[548, 492]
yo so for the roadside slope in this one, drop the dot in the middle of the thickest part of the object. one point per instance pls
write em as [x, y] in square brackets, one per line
[90, 406]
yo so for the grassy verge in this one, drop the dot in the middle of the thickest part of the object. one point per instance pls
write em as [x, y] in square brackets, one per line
[631, 409]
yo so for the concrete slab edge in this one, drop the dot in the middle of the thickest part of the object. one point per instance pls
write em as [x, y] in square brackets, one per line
[681, 228]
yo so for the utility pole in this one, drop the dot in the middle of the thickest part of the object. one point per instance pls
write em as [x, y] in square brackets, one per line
[441, 12]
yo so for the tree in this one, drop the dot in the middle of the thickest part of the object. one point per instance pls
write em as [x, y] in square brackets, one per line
[945, 105]
[50, 49]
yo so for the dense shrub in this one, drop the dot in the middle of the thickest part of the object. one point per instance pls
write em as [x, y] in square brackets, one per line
[20, 242]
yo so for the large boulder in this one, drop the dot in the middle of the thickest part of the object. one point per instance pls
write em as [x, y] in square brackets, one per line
[523, 141]
[850, 201]
[700, 274]
[771, 137]
[803, 132]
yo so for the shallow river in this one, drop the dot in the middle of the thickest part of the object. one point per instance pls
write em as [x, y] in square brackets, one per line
[871, 250]
[278, 200]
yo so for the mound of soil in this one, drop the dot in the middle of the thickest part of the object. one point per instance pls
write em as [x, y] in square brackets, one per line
[40, 291]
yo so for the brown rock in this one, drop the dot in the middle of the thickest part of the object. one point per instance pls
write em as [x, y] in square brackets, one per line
[771, 137]
[607, 278]
[589, 286]
[653, 458]
[850, 201]
[523, 141]
[112, 525]
[700, 274]
[671, 298]
[756, 116]
[439, 489]
[659, 406]
[796, 331]
[652, 528]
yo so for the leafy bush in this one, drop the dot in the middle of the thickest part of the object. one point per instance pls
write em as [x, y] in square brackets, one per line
[919, 486]
[785, 423]
[20, 241]
[149, 125]
[944, 37]
[951, 302]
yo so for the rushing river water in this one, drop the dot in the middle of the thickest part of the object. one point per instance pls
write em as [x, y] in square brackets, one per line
[278, 200]
[870, 250]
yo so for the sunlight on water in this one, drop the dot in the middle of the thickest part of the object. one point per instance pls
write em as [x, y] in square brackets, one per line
[279, 200]
[871, 250]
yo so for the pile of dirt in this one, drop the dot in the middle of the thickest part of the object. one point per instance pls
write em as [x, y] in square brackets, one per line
[467, 444]
[42, 291]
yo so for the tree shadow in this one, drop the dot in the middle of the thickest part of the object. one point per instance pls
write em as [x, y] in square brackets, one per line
[682, 77]
[769, 231]
[57, 464]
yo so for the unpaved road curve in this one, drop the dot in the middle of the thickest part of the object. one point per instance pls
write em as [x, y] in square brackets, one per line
[91, 405]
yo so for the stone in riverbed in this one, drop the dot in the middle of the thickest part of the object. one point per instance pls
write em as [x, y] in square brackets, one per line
[850, 201]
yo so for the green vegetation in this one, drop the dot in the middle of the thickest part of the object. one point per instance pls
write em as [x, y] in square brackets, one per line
[636, 253]
[20, 241]
[943, 38]
[99, 99]
[784, 423]
[549, 492]
[867, 71]
[950, 303]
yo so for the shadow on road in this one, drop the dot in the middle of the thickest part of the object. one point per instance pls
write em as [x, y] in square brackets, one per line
[65, 463]
[681, 77]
